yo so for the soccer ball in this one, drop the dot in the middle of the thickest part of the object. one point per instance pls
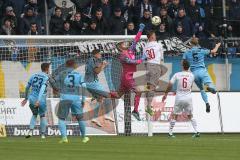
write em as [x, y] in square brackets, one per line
[156, 20]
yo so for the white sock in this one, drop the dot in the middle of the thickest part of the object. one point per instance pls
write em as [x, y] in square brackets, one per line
[171, 125]
[194, 125]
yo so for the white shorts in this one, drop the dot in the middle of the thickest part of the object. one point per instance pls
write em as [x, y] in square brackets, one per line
[183, 106]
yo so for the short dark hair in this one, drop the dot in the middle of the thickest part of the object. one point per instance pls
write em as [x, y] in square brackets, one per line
[185, 64]
[45, 66]
[57, 8]
[95, 51]
[70, 62]
[150, 33]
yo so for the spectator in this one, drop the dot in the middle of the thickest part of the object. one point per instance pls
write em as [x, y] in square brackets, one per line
[161, 33]
[89, 9]
[234, 14]
[106, 7]
[91, 29]
[131, 29]
[9, 14]
[185, 22]
[77, 24]
[31, 4]
[117, 23]
[27, 19]
[33, 29]
[144, 5]
[173, 8]
[17, 6]
[201, 33]
[129, 10]
[146, 19]
[67, 30]
[194, 12]
[101, 22]
[56, 22]
[167, 20]
[6, 28]
[180, 33]
[66, 12]
[160, 4]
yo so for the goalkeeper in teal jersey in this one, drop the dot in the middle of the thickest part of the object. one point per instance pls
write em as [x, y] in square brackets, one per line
[70, 84]
[37, 98]
[195, 56]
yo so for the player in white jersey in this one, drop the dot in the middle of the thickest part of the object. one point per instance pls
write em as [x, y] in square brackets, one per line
[154, 54]
[183, 100]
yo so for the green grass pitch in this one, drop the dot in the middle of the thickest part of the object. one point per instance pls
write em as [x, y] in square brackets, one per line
[183, 147]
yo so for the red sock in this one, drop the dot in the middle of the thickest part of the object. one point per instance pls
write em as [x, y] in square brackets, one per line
[136, 101]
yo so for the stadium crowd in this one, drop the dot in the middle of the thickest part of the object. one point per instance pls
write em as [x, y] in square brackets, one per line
[182, 18]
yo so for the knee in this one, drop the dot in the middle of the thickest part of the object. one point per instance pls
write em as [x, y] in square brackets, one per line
[79, 117]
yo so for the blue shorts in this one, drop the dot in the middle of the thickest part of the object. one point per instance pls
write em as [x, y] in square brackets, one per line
[68, 104]
[96, 89]
[202, 78]
[41, 110]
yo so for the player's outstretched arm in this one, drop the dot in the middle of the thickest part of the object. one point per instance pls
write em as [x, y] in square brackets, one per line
[128, 60]
[215, 49]
[41, 92]
[137, 37]
[98, 69]
[26, 92]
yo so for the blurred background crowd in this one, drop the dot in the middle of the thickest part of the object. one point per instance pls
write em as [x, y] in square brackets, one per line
[181, 18]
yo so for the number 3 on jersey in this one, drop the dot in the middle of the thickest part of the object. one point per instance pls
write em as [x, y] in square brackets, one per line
[150, 53]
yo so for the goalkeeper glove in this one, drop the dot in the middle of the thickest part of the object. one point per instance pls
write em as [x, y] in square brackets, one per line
[141, 27]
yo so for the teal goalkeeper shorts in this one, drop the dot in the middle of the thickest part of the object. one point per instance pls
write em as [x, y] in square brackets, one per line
[202, 78]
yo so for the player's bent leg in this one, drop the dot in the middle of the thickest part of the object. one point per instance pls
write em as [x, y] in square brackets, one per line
[135, 112]
[171, 126]
[194, 125]
[107, 110]
[149, 95]
[62, 114]
[31, 126]
[207, 81]
[43, 125]
[96, 111]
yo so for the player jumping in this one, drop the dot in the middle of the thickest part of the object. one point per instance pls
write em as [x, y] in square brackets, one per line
[94, 66]
[129, 63]
[37, 98]
[154, 53]
[183, 100]
[195, 56]
[70, 83]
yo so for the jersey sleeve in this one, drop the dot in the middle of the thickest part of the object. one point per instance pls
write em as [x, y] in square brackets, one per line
[43, 89]
[28, 87]
[136, 39]
[205, 51]
[173, 79]
[184, 57]
[125, 59]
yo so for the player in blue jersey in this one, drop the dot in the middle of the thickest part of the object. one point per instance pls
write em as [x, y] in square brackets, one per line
[70, 84]
[195, 56]
[37, 98]
[94, 66]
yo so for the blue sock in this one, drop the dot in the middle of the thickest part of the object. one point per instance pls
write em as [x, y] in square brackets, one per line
[82, 127]
[33, 122]
[96, 110]
[204, 96]
[62, 127]
[43, 124]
